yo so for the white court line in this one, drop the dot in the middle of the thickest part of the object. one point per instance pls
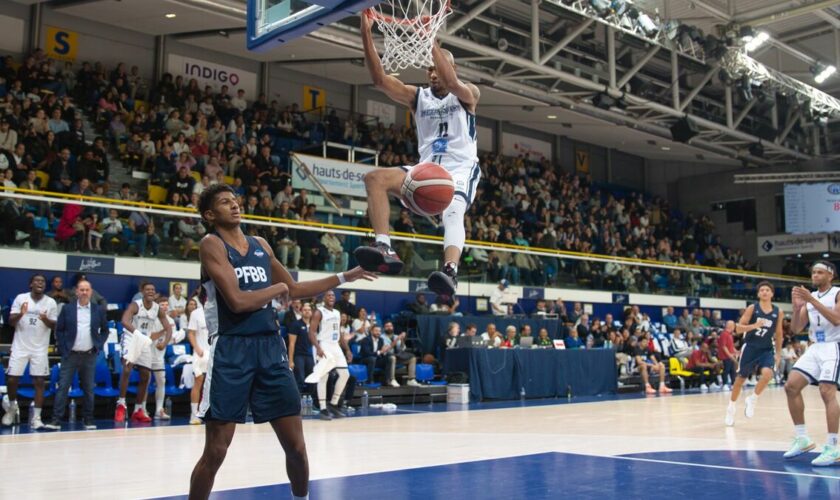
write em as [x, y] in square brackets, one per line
[726, 467]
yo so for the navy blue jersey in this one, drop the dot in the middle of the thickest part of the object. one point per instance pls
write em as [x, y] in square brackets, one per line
[253, 270]
[762, 338]
[302, 344]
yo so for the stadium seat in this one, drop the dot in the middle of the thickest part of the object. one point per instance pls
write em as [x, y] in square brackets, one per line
[44, 178]
[425, 374]
[355, 348]
[157, 194]
[196, 175]
[361, 375]
[104, 383]
[172, 388]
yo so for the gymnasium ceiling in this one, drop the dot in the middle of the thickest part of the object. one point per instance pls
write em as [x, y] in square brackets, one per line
[808, 30]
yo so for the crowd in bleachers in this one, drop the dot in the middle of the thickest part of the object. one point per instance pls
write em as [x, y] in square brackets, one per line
[186, 137]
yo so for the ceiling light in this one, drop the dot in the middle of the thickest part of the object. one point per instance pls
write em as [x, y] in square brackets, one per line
[552, 117]
[170, 16]
[757, 41]
[825, 256]
[666, 148]
[821, 73]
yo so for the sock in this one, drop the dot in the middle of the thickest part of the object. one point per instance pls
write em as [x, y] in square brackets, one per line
[160, 392]
[800, 430]
[38, 415]
[193, 409]
[383, 238]
[832, 439]
[754, 395]
[139, 407]
[121, 401]
[451, 267]
[732, 404]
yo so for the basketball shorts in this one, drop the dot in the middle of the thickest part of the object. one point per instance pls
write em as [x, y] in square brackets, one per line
[751, 359]
[465, 176]
[39, 365]
[334, 351]
[139, 353]
[249, 371]
[820, 363]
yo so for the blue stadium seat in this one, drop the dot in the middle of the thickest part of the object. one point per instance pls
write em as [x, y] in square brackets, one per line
[172, 388]
[361, 374]
[104, 383]
[425, 374]
[75, 390]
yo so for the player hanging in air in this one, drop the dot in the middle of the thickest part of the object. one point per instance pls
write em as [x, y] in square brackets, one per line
[762, 324]
[248, 364]
[444, 113]
[327, 341]
[820, 364]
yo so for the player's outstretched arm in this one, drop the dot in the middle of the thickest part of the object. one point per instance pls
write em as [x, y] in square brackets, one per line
[311, 288]
[393, 88]
[215, 263]
[444, 63]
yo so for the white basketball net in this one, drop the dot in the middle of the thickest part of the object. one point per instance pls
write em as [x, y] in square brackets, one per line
[409, 27]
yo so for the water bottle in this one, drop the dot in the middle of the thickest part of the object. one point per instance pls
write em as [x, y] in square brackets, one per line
[522, 393]
[72, 410]
[31, 412]
[569, 392]
[303, 406]
[309, 410]
[365, 400]
[168, 406]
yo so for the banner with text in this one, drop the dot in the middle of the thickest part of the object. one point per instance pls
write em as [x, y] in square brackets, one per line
[515, 145]
[792, 244]
[337, 177]
[215, 75]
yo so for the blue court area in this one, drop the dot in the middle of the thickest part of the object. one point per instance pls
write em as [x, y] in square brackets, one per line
[666, 476]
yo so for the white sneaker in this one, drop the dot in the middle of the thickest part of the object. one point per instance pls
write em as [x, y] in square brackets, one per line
[413, 383]
[12, 415]
[801, 444]
[727, 388]
[749, 411]
[195, 420]
[715, 387]
[162, 415]
[750, 382]
[830, 455]
[704, 388]
[730, 415]
[37, 424]
[394, 383]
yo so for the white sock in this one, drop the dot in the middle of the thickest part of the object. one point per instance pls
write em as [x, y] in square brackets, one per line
[304, 497]
[343, 376]
[754, 395]
[121, 401]
[732, 404]
[832, 439]
[383, 238]
[800, 430]
[193, 409]
[38, 414]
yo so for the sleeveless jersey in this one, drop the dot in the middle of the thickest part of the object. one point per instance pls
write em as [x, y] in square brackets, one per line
[820, 329]
[253, 271]
[328, 329]
[446, 131]
[146, 319]
[763, 337]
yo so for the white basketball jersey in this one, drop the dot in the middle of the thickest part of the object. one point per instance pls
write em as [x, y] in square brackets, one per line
[328, 329]
[145, 319]
[820, 329]
[31, 334]
[446, 131]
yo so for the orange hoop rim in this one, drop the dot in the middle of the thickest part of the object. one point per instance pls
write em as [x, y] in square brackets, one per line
[372, 13]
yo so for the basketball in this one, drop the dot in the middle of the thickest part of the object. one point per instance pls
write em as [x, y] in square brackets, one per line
[427, 189]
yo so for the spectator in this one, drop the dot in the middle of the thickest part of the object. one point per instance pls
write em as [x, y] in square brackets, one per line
[144, 233]
[647, 362]
[345, 306]
[497, 304]
[727, 354]
[510, 337]
[337, 258]
[543, 340]
[301, 361]
[492, 337]
[375, 353]
[57, 292]
[191, 230]
[362, 324]
[669, 319]
[701, 364]
[680, 347]
[112, 233]
[789, 357]
[419, 306]
[453, 331]
[573, 341]
[401, 353]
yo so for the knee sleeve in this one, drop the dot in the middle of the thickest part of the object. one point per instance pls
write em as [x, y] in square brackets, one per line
[453, 224]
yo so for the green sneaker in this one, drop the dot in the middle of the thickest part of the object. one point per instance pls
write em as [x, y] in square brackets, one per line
[801, 444]
[830, 456]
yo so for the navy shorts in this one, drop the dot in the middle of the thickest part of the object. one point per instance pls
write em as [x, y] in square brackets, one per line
[249, 370]
[755, 358]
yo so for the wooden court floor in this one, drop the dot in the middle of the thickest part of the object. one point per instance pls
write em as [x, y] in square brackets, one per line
[143, 462]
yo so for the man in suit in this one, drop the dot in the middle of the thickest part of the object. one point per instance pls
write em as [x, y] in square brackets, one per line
[80, 333]
[376, 353]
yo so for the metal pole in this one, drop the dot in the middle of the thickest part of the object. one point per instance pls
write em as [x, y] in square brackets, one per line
[675, 80]
[696, 90]
[743, 113]
[566, 40]
[728, 95]
[535, 31]
[469, 16]
[35, 21]
[638, 66]
[160, 57]
[264, 78]
[611, 56]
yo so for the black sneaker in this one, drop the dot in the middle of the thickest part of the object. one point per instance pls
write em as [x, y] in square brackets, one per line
[325, 415]
[335, 411]
[445, 282]
[378, 258]
[54, 425]
[89, 424]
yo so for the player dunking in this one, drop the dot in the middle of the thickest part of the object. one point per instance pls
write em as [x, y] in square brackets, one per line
[248, 363]
[762, 323]
[820, 364]
[444, 113]
[327, 341]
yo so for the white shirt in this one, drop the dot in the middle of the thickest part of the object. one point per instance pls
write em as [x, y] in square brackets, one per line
[198, 325]
[496, 305]
[497, 341]
[84, 335]
[179, 303]
[31, 334]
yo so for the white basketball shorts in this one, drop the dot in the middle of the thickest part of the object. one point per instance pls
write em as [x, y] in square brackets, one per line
[820, 363]
[39, 365]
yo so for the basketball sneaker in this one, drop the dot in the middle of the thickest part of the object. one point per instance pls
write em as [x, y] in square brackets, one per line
[801, 444]
[162, 415]
[830, 456]
[140, 416]
[378, 258]
[195, 420]
[37, 424]
[664, 389]
[12, 415]
[119, 415]
[335, 411]
[730, 414]
[89, 424]
[749, 410]
[325, 414]
[444, 282]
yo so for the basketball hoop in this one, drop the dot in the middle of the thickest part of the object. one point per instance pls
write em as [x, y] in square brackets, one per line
[409, 27]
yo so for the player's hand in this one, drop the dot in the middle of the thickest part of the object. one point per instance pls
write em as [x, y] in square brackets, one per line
[43, 316]
[291, 364]
[800, 296]
[320, 352]
[283, 293]
[358, 273]
[366, 18]
[23, 308]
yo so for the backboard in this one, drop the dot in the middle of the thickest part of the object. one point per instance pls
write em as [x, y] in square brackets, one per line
[274, 22]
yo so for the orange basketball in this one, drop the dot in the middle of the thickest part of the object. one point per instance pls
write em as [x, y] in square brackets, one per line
[427, 189]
